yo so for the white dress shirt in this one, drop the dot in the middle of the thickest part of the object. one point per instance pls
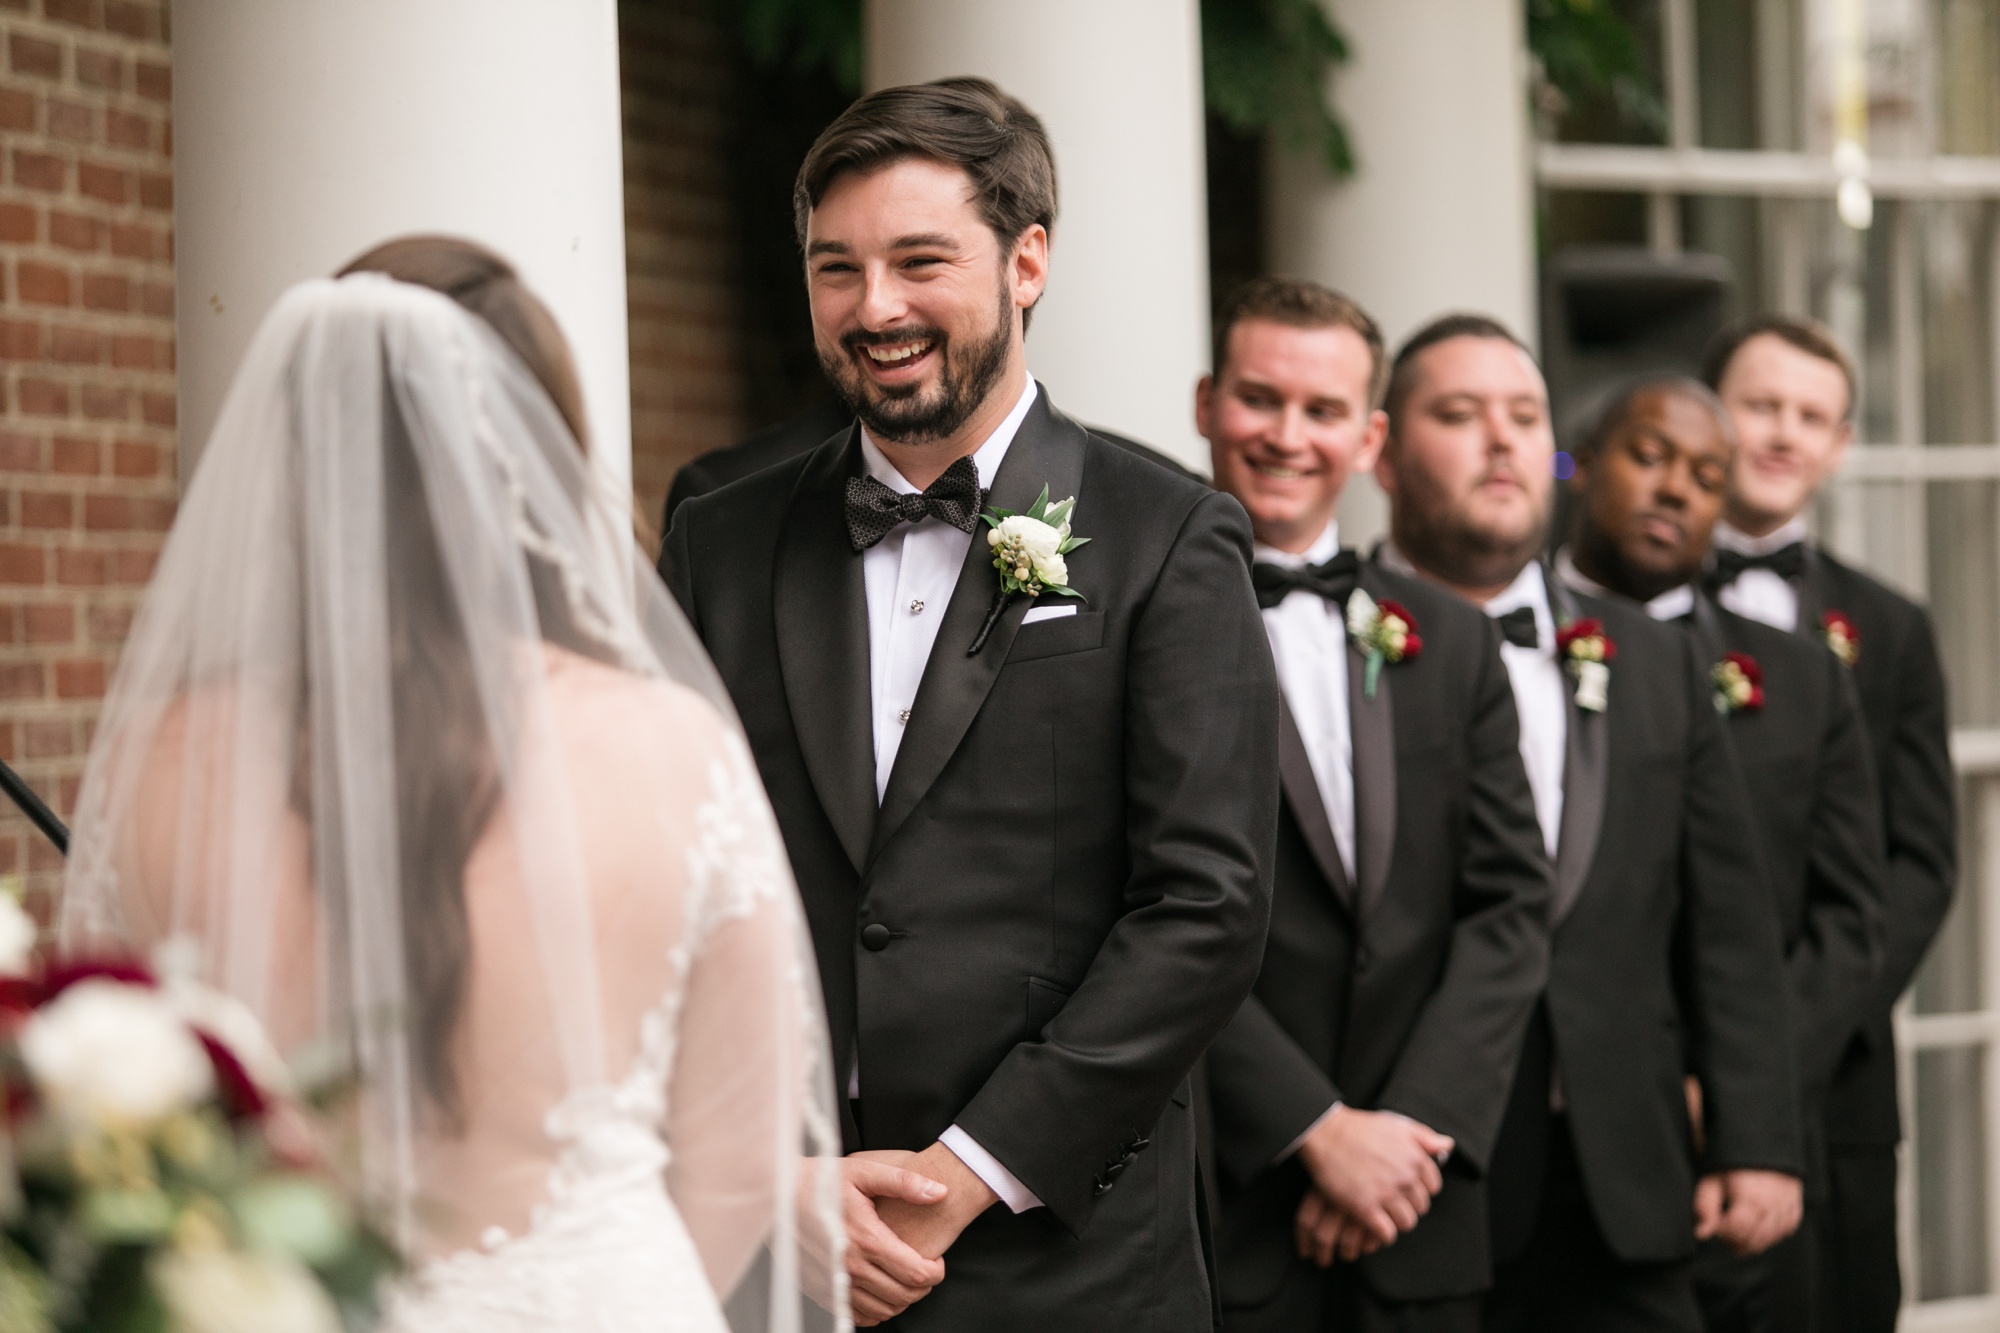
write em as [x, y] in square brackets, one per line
[1669, 605]
[1308, 637]
[1762, 594]
[909, 576]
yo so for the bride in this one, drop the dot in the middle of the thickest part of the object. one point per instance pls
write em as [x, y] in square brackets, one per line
[409, 752]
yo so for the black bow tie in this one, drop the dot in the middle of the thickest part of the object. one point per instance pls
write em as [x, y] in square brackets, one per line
[874, 511]
[1519, 627]
[1333, 580]
[1787, 562]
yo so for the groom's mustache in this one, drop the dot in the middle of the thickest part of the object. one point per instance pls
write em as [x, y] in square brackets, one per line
[861, 338]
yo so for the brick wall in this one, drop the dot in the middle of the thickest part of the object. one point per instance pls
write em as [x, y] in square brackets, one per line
[87, 470]
[682, 300]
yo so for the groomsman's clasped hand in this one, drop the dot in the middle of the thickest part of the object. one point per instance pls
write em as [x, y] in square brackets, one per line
[1374, 1174]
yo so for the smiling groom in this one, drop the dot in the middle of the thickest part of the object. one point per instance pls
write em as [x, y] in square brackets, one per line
[1028, 786]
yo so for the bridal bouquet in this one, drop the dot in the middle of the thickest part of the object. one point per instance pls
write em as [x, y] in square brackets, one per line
[145, 1181]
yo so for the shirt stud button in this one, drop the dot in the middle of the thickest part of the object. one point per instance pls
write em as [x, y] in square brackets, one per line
[904, 715]
[917, 606]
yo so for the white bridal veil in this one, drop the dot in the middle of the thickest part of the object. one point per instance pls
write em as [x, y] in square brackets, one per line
[413, 751]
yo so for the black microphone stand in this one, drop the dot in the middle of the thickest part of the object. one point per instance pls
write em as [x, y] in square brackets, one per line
[34, 808]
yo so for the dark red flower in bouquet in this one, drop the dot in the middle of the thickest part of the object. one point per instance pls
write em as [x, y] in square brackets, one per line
[1842, 636]
[1399, 638]
[241, 1098]
[66, 973]
[1739, 683]
[1585, 641]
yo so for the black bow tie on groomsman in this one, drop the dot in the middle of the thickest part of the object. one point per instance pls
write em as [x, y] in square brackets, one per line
[874, 511]
[1519, 628]
[1333, 580]
[1787, 562]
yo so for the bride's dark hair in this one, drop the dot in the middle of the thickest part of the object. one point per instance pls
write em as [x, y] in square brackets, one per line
[446, 783]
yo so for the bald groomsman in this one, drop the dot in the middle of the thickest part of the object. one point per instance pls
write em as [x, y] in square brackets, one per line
[1661, 922]
[1790, 393]
[1651, 480]
[1357, 1094]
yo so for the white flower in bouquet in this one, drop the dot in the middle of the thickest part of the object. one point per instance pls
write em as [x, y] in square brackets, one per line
[111, 1051]
[222, 1291]
[17, 935]
[1034, 547]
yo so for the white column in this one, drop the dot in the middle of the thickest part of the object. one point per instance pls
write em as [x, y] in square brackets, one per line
[1439, 216]
[1121, 336]
[306, 132]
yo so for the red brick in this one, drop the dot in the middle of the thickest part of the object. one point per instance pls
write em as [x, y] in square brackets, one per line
[10, 848]
[131, 241]
[75, 347]
[20, 340]
[158, 409]
[155, 81]
[31, 55]
[156, 190]
[75, 457]
[19, 453]
[138, 352]
[80, 680]
[48, 740]
[100, 69]
[83, 569]
[135, 458]
[17, 224]
[109, 513]
[107, 291]
[72, 120]
[42, 398]
[49, 622]
[47, 509]
[127, 130]
[42, 856]
[158, 298]
[42, 284]
[135, 567]
[103, 403]
[21, 680]
[40, 171]
[73, 231]
[7, 635]
[110, 624]
[77, 13]
[141, 21]
[22, 564]
[108, 183]
[17, 109]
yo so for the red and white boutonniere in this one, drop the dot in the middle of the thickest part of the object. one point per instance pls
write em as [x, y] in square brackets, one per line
[1386, 632]
[1586, 652]
[1739, 684]
[1841, 636]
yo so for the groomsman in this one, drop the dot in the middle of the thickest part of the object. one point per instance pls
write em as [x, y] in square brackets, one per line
[1032, 829]
[1790, 392]
[1651, 479]
[1356, 1095]
[1661, 921]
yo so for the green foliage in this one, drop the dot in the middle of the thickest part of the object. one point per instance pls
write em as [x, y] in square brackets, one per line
[1588, 50]
[1264, 70]
[803, 34]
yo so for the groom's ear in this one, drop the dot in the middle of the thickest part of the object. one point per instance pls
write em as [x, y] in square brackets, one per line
[1028, 270]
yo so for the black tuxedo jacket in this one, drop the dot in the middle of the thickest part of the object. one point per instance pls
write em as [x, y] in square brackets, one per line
[1805, 760]
[1063, 895]
[1408, 991]
[1902, 693]
[1663, 927]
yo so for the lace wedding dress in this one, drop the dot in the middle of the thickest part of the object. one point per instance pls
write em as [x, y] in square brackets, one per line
[409, 749]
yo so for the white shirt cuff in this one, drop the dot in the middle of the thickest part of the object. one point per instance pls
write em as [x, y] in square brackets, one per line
[986, 1166]
[1300, 1141]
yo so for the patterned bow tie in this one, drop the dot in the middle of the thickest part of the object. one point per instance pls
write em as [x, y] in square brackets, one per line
[1333, 580]
[874, 511]
[1519, 628]
[1787, 562]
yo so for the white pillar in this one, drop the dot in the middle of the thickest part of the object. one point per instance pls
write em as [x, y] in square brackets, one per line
[1121, 336]
[1439, 216]
[306, 132]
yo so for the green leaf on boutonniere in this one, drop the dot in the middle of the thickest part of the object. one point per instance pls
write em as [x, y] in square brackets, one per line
[1028, 550]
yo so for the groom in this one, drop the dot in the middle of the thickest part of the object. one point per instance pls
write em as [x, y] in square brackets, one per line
[1033, 832]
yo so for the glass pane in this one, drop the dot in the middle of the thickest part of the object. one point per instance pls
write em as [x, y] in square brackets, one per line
[1951, 1172]
[1967, 36]
[1965, 594]
[1955, 258]
[1951, 980]
[1878, 525]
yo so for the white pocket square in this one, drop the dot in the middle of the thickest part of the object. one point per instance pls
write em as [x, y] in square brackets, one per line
[1047, 613]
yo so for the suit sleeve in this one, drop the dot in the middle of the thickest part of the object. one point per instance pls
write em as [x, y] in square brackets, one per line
[1264, 1092]
[1733, 959]
[1920, 822]
[1201, 785]
[1456, 1069]
[1835, 963]
[676, 564]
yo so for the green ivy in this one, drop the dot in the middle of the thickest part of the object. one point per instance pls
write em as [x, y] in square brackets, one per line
[1588, 49]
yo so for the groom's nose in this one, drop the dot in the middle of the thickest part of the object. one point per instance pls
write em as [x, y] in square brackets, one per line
[883, 305]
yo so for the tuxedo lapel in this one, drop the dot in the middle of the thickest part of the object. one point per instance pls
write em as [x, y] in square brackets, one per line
[1047, 451]
[1812, 596]
[821, 606]
[1372, 725]
[1302, 793]
[1586, 769]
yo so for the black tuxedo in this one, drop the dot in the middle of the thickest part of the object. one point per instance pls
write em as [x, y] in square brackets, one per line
[1063, 895]
[1663, 929]
[1407, 991]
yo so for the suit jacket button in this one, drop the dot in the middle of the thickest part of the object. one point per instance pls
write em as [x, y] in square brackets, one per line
[1100, 1189]
[876, 936]
[1115, 1170]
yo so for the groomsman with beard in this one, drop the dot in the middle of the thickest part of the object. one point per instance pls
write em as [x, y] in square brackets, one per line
[1661, 923]
[1790, 392]
[1651, 480]
[1028, 785]
[1356, 1095]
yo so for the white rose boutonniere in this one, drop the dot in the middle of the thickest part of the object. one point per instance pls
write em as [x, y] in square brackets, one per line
[1028, 550]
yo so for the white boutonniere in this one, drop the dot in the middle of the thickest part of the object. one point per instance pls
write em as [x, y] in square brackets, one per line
[1028, 550]
[1586, 651]
[1386, 631]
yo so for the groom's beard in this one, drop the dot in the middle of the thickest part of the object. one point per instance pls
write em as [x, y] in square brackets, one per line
[922, 413]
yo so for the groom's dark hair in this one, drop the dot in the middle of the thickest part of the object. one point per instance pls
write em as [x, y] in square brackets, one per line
[965, 123]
